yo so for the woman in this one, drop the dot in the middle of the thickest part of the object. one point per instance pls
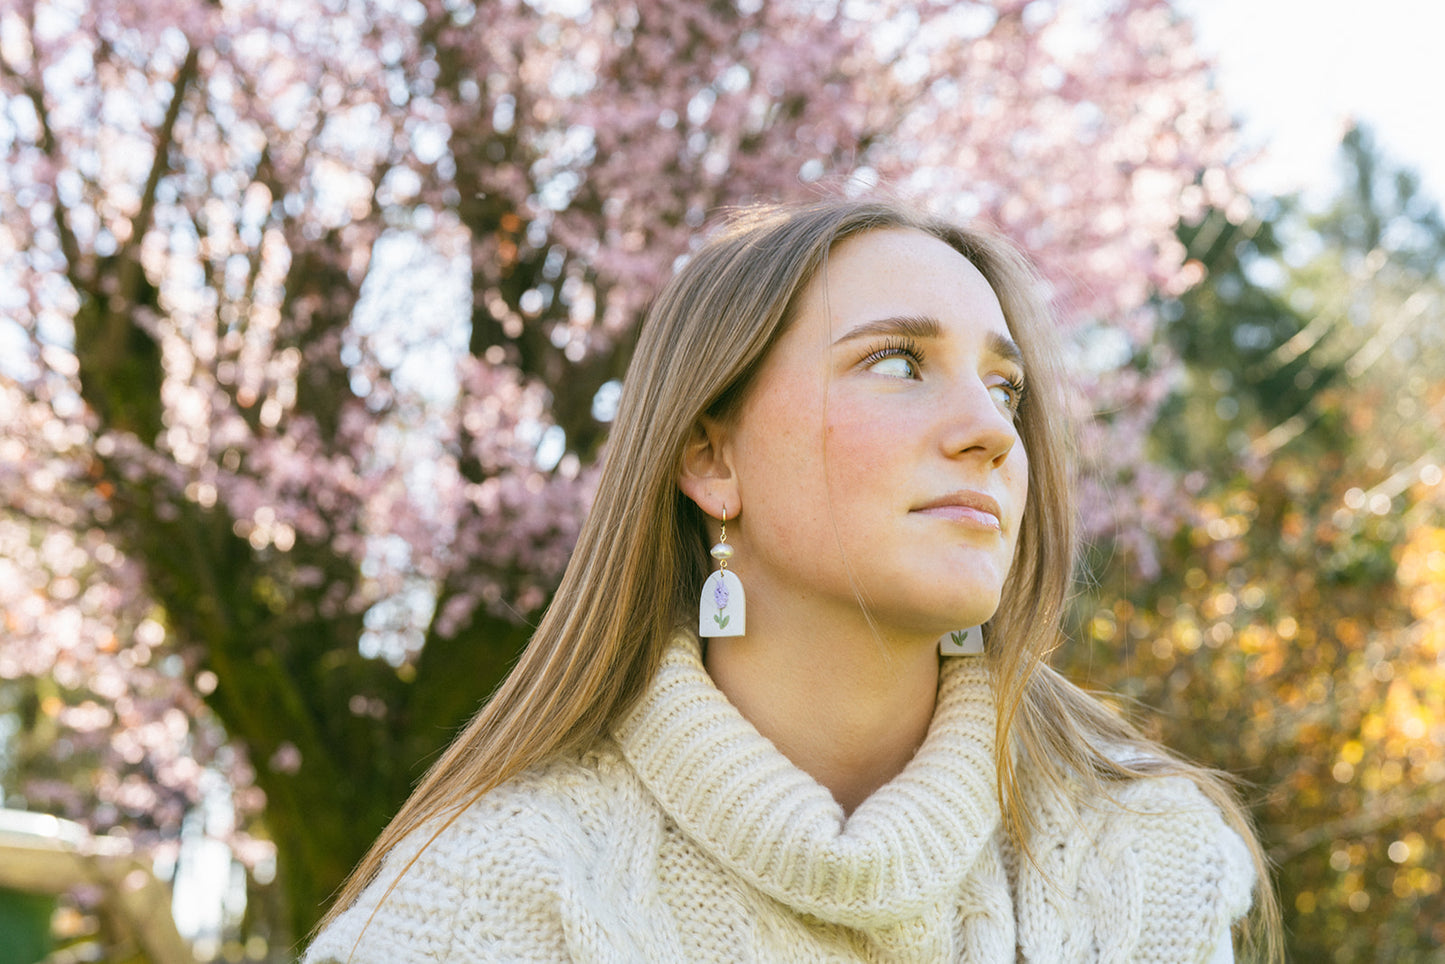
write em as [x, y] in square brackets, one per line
[833, 398]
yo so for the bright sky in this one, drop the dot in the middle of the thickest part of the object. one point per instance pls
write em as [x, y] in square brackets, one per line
[1296, 70]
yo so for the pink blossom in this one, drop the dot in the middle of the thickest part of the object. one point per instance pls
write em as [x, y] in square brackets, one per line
[553, 167]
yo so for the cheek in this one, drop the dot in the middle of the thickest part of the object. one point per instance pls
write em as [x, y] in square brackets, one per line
[783, 433]
[779, 448]
[1017, 480]
[861, 471]
[853, 457]
[862, 441]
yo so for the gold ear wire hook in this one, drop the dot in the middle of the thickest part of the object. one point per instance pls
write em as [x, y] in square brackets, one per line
[722, 552]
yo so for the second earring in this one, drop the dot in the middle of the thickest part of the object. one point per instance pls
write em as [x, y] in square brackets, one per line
[722, 610]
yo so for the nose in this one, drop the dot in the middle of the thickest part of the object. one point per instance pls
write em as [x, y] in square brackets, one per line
[974, 426]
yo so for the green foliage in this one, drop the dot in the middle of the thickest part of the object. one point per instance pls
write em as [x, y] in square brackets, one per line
[1299, 610]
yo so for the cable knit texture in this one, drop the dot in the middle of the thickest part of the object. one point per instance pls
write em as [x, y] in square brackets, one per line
[687, 836]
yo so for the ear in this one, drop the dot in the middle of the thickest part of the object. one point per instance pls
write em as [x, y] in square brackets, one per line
[706, 475]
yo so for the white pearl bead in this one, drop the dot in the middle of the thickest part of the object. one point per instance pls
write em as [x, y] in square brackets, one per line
[722, 551]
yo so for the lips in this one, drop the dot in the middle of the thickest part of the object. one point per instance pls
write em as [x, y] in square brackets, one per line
[966, 506]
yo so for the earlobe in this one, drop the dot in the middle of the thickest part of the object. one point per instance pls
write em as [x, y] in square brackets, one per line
[706, 474]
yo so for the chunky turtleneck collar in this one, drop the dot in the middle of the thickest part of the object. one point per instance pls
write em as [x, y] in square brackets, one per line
[907, 848]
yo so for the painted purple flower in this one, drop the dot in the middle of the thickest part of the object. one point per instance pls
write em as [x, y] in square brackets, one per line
[720, 593]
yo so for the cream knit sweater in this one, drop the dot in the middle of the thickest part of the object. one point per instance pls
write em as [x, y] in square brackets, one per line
[689, 837]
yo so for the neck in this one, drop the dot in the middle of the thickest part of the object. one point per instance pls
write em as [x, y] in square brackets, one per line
[847, 708]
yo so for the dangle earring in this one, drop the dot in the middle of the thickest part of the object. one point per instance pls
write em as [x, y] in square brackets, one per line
[722, 611]
[962, 642]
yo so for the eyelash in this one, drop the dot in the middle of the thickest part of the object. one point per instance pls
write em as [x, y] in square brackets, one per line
[1016, 385]
[895, 347]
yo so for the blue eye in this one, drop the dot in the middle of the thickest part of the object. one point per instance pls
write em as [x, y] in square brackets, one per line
[902, 359]
[1008, 395]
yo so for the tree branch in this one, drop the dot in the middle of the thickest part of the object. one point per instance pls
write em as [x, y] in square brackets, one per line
[34, 91]
[130, 266]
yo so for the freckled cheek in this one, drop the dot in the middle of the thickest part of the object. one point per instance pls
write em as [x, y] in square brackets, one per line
[791, 427]
[862, 442]
[780, 453]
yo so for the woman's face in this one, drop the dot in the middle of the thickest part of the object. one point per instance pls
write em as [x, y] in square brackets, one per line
[877, 455]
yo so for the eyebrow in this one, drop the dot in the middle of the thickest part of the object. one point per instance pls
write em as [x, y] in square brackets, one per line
[923, 327]
[912, 326]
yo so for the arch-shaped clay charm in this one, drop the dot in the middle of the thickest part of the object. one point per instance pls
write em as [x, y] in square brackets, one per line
[962, 642]
[722, 611]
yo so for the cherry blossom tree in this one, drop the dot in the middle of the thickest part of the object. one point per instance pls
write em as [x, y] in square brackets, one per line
[314, 314]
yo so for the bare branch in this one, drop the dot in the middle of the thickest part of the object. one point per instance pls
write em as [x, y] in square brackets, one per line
[34, 91]
[165, 137]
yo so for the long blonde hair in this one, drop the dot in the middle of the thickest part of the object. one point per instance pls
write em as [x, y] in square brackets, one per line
[642, 552]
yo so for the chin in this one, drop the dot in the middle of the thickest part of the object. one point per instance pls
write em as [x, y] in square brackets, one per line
[934, 621]
[923, 602]
[969, 604]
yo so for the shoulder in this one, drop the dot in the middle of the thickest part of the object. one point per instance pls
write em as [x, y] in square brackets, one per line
[490, 884]
[1183, 834]
[1191, 875]
[1151, 872]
